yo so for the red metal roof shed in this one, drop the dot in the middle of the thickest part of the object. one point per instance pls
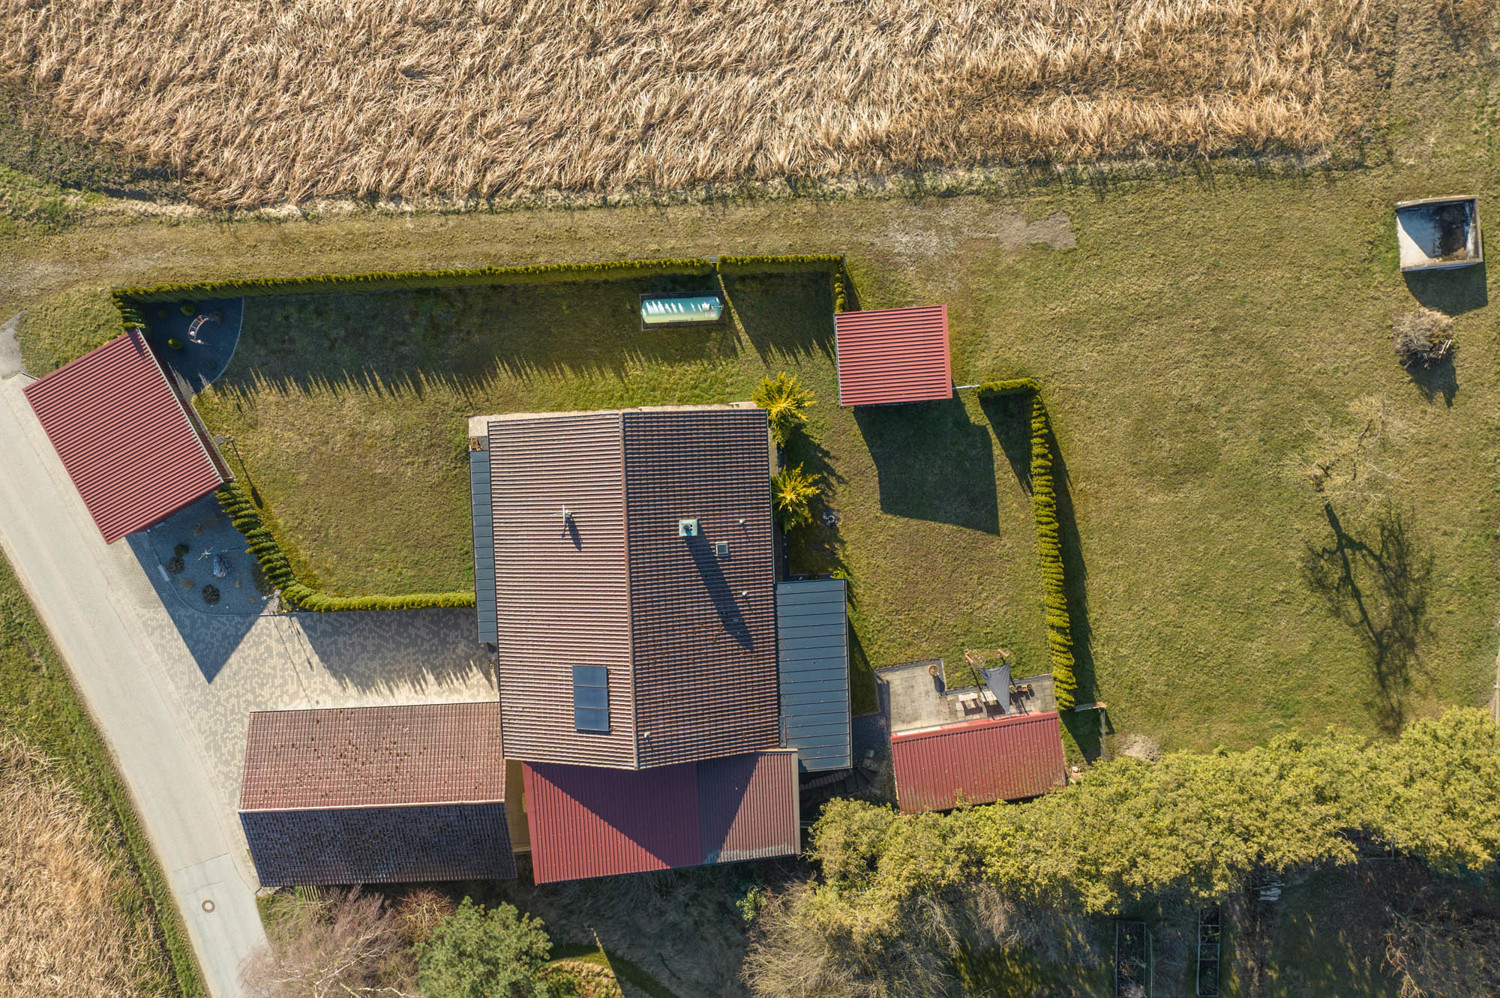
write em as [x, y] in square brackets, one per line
[587, 821]
[1001, 758]
[895, 355]
[124, 436]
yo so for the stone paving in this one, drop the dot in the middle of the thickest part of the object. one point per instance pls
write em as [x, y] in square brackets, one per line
[223, 666]
[209, 542]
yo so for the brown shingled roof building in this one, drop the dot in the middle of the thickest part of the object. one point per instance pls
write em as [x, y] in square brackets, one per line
[376, 795]
[634, 584]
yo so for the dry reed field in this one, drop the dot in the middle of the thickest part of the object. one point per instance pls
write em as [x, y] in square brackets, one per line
[61, 934]
[256, 102]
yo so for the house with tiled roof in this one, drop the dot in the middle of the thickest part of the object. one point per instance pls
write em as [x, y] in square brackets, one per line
[630, 558]
[661, 689]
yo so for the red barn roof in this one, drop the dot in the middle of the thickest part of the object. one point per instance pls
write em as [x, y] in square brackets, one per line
[1001, 758]
[123, 436]
[587, 821]
[895, 355]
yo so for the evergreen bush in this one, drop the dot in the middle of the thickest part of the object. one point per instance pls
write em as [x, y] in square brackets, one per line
[785, 401]
[794, 491]
[1048, 539]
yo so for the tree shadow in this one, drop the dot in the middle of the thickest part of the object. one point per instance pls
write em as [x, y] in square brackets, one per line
[1452, 292]
[1437, 381]
[1377, 588]
[933, 463]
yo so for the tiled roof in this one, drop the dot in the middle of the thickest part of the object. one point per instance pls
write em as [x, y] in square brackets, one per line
[686, 633]
[380, 845]
[369, 756]
[894, 355]
[123, 436]
[1002, 758]
[591, 822]
[703, 626]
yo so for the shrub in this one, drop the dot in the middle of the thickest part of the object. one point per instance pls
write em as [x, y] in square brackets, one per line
[421, 911]
[785, 401]
[1048, 538]
[794, 491]
[346, 944]
[210, 594]
[494, 953]
[186, 308]
[176, 565]
[180, 549]
[1422, 338]
[278, 571]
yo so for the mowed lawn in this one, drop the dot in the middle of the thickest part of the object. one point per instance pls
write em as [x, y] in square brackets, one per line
[349, 411]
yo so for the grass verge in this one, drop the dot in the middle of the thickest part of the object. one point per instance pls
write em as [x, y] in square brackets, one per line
[38, 704]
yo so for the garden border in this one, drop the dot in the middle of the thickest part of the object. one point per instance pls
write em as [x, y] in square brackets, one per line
[1048, 536]
[250, 519]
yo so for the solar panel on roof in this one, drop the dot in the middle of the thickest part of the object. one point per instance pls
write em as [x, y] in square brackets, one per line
[590, 698]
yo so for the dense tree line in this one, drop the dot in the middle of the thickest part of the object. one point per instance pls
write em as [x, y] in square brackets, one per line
[900, 894]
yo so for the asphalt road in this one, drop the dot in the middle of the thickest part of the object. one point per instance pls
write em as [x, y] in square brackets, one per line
[90, 596]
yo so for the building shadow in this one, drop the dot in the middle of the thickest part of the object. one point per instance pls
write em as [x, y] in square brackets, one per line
[933, 463]
[720, 594]
[211, 638]
[391, 650]
[1452, 292]
[1377, 587]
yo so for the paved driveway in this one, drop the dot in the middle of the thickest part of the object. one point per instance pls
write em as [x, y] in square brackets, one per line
[171, 687]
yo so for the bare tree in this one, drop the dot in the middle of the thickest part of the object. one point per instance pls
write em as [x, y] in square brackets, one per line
[345, 944]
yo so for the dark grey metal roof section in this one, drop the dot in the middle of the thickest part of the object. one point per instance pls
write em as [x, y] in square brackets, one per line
[484, 546]
[812, 640]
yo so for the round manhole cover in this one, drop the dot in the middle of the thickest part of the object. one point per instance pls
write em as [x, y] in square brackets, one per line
[208, 905]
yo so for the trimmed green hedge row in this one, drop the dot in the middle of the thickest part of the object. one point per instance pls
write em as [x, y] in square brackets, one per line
[260, 542]
[551, 273]
[1048, 538]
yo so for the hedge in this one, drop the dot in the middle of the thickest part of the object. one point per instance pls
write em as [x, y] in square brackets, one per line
[793, 263]
[278, 571]
[1048, 537]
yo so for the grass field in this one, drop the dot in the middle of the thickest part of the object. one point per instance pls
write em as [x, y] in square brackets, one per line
[83, 907]
[405, 98]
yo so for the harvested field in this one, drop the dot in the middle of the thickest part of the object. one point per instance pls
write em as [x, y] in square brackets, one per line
[255, 103]
[61, 932]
